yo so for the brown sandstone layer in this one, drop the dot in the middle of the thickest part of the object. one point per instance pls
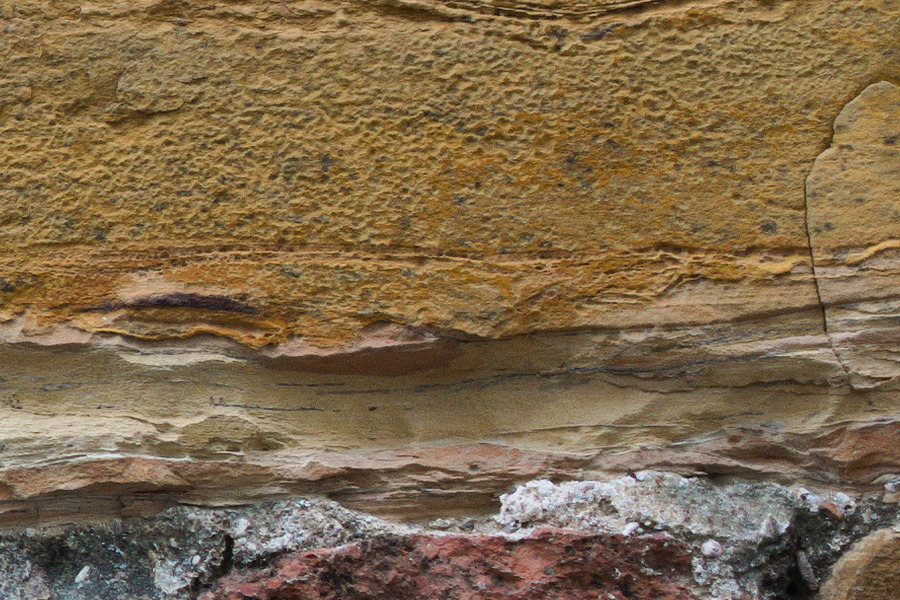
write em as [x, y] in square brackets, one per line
[265, 171]
[868, 571]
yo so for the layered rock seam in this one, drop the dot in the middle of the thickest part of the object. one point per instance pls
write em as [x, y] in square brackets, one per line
[407, 256]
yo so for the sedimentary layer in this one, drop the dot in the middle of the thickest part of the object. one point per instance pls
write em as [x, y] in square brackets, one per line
[99, 430]
[267, 171]
[407, 255]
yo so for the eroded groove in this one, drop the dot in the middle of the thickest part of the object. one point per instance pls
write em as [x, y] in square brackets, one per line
[520, 9]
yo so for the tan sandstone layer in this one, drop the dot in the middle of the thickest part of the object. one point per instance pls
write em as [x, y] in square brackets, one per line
[410, 253]
[868, 571]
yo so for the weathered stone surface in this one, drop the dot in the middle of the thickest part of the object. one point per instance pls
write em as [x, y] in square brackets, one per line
[655, 535]
[853, 197]
[253, 250]
[410, 254]
[758, 540]
[264, 172]
[419, 443]
[173, 555]
[555, 565]
[868, 571]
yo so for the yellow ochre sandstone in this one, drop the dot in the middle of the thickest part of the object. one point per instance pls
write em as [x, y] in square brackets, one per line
[406, 253]
[481, 170]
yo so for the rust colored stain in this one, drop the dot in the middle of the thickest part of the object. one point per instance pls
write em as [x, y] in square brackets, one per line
[551, 564]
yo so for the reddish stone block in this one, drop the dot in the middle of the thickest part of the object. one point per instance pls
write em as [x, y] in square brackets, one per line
[550, 564]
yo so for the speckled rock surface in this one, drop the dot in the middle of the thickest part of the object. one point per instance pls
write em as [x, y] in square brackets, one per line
[409, 254]
[272, 171]
[553, 565]
[653, 535]
[749, 540]
[173, 555]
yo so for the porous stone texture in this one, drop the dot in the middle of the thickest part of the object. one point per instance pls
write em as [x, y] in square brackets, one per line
[653, 535]
[868, 571]
[749, 540]
[409, 254]
[172, 555]
[251, 250]
[271, 171]
[552, 565]
[306, 241]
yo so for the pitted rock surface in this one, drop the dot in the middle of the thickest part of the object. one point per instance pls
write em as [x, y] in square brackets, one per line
[409, 254]
[251, 250]
[555, 565]
[654, 535]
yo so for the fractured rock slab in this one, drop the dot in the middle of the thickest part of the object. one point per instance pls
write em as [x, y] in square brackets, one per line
[853, 198]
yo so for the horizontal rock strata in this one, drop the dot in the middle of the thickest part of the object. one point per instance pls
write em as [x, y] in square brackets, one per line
[407, 255]
[237, 262]
[76, 439]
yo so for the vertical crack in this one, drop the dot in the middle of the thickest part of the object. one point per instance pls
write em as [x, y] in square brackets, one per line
[815, 278]
[201, 583]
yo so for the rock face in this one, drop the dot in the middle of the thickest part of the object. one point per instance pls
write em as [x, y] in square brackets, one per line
[654, 535]
[757, 540]
[852, 190]
[407, 255]
[552, 565]
[868, 570]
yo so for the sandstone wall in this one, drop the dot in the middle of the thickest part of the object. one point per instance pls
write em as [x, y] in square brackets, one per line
[407, 254]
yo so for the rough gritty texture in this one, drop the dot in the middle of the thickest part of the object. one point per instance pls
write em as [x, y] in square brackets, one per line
[868, 571]
[757, 540]
[410, 254]
[172, 556]
[654, 535]
[309, 168]
[550, 565]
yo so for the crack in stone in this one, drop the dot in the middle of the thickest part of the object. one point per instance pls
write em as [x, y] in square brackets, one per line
[815, 278]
